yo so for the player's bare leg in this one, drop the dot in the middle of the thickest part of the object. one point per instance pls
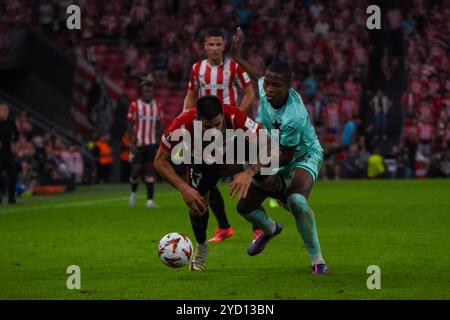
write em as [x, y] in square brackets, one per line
[134, 182]
[297, 195]
[149, 174]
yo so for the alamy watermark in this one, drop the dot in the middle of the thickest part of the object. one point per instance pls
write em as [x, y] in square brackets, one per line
[374, 281]
[74, 280]
[220, 149]
[73, 22]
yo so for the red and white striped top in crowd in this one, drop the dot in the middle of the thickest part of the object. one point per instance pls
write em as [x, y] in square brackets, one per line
[145, 117]
[409, 100]
[410, 134]
[331, 116]
[426, 131]
[425, 111]
[219, 80]
[349, 108]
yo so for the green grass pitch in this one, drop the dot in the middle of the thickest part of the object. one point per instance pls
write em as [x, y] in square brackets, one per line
[401, 226]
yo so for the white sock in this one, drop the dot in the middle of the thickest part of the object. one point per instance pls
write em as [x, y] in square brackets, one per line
[317, 259]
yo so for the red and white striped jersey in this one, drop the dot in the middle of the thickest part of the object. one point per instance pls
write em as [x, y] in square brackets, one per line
[331, 116]
[349, 108]
[233, 119]
[426, 131]
[410, 134]
[145, 117]
[219, 80]
[425, 111]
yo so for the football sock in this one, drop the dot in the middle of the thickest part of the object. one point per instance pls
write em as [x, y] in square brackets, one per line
[150, 186]
[306, 225]
[199, 225]
[218, 208]
[134, 185]
[261, 220]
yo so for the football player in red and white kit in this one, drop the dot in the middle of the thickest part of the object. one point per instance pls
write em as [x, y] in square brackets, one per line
[144, 118]
[202, 178]
[218, 76]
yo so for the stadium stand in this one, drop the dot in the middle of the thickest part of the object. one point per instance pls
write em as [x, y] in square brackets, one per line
[331, 51]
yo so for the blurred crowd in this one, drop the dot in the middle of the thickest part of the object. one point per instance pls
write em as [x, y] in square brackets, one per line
[426, 101]
[42, 160]
[326, 42]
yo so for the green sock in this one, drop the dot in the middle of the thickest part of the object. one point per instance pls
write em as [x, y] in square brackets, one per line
[306, 225]
[261, 220]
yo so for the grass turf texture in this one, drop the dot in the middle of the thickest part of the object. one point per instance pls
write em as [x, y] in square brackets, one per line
[401, 226]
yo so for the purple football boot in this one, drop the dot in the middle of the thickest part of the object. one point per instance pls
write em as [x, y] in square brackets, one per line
[257, 245]
[320, 268]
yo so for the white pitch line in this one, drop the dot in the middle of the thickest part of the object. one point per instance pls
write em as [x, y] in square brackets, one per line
[64, 205]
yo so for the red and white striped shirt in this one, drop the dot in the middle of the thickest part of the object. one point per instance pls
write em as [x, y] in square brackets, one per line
[331, 116]
[145, 117]
[218, 80]
[349, 108]
[426, 131]
[411, 134]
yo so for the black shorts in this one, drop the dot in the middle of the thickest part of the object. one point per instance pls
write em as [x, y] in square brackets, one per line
[145, 154]
[202, 177]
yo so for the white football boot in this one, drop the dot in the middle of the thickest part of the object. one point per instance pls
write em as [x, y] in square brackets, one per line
[151, 204]
[132, 200]
[198, 263]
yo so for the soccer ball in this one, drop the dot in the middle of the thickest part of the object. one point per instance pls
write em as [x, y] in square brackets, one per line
[175, 250]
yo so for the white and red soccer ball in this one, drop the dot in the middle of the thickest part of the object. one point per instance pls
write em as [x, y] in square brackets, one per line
[175, 250]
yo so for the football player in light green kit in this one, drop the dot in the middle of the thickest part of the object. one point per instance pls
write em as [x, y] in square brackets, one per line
[300, 160]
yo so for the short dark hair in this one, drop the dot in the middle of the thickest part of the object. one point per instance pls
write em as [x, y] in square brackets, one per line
[208, 107]
[283, 69]
[213, 33]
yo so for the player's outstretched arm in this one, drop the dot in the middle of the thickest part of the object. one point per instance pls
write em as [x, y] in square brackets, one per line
[191, 197]
[247, 100]
[189, 100]
[235, 51]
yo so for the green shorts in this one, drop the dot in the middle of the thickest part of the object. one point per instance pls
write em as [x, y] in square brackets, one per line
[311, 162]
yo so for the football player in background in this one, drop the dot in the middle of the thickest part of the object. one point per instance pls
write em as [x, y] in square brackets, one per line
[218, 76]
[144, 117]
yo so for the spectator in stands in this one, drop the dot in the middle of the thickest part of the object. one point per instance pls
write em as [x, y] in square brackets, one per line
[28, 177]
[23, 148]
[376, 167]
[76, 164]
[380, 104]
[103, 153]
[363, 154]
[426, 134]
[24, 124]
[410, 140]
[317, 105]
[8, 134]
[352, 166]
[46, 13]
[349, 132]
[310, 86]
[439, 166]
[391, 162]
